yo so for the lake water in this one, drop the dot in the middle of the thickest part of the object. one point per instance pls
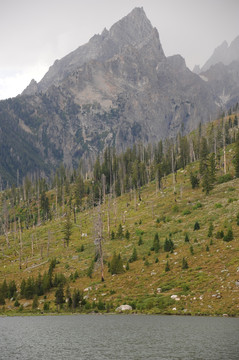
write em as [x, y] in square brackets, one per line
[119, 337]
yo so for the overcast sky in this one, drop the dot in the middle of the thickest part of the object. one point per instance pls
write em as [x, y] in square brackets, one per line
[34, 33]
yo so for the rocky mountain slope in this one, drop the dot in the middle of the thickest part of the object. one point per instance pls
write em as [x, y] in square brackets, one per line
[116, 90]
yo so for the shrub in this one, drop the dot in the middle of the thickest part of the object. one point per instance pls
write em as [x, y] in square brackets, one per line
[112, 235]
[186, 212]
[196, 226]
[224, 178]
[191, 250]
[16, 304]
[198, 205]
[218, 205]
[46, 306]
[146, 263]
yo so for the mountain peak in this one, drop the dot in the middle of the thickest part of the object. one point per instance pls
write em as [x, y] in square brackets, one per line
[133, 30]
[224, 54]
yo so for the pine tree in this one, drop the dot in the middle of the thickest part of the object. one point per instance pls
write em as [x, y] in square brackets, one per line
[127, 234]
[229, 236]
[196, 226]
[184, 264]
[156, 243]
[210, 230]
[140, 242]
[59, 295]
[194, 180]
[168, 245]
[120, 233]
[167, 268]
[236, 159]
[191, 250]
[67, 228]
[116, 264]
[35, 302]
[186, 239]
[134, 256]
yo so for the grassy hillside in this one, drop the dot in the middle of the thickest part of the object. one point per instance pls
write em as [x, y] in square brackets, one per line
[207, 286]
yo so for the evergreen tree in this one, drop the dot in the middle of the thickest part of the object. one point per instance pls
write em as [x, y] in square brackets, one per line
[67, 228]
[120, 233]
[59, 295]
[90, 269]
[156, 243]
[167, 268]
[116, 264]
[127, 234]
[4, 289]
[207, 184]
[191, 250]
[184, 264]
[140, 242]
[229, 236]
[168, 245]
[196, 226]
[236, 159]
[76, 299]
[35, 302]
[186, 239]
[134, 256]
[68, 297]
[194, 180]
[210, 230]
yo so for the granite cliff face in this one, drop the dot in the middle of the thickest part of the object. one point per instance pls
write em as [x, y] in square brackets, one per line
[116, 90]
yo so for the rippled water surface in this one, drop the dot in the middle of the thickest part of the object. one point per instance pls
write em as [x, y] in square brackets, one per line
[119, 337]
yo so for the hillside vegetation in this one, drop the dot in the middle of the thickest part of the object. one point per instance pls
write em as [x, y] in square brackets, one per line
[160, 247]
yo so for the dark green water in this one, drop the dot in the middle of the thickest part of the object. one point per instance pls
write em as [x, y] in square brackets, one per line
[119, 337]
